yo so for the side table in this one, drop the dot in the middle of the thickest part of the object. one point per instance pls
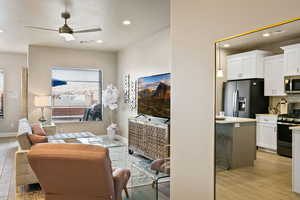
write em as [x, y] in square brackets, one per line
[49, 128]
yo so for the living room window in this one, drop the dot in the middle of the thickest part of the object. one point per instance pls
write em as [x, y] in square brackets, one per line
[76, 94]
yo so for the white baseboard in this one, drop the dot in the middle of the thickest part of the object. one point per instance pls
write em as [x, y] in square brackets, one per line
[10, 134]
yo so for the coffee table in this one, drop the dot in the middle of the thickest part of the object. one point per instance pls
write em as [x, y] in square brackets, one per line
[118, 149]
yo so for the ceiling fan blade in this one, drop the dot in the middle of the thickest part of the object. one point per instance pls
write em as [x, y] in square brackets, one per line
[40, 28]
[88, 30]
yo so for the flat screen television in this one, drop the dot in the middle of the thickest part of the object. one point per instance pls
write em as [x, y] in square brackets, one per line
[154, 95]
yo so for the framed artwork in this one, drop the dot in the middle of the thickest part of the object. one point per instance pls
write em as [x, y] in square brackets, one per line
[132, 96]
[126, 88]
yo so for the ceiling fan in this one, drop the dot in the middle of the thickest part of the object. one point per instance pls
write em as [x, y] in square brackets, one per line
[66, 31]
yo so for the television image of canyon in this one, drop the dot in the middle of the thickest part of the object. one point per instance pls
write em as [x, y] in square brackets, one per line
[154, 95]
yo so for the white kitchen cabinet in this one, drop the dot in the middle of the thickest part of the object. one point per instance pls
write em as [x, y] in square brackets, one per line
[291, 60]
[274, 76]
[234, 70]
[246, 65]
[266, 131]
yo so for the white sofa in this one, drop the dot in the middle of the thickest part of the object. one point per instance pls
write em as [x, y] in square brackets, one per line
[24, 173]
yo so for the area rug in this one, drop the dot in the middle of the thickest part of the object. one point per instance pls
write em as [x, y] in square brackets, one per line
[141, 173]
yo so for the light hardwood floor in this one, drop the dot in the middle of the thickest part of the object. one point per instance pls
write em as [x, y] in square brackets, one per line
[8, 147]
[269, 179]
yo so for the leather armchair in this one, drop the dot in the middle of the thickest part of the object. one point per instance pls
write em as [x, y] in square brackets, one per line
[76, 172]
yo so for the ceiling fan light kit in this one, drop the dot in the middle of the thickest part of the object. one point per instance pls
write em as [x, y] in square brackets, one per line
[67, 36]
[66, 31]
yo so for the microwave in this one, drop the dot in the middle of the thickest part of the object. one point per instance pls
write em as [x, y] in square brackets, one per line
[292, 84]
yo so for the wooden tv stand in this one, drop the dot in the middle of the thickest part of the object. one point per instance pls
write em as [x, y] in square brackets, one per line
[148, 138]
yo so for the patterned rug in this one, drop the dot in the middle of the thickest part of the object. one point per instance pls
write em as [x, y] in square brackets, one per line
[141, 173]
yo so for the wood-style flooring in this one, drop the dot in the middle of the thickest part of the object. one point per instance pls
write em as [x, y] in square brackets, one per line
[269, 179]
[8, 147]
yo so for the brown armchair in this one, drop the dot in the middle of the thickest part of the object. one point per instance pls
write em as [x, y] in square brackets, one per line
[76, 172]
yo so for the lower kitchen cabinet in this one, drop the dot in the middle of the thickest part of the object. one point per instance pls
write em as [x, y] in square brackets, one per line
[266, 132]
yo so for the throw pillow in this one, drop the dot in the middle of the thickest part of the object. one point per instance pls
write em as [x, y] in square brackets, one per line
[35, 139]
[38, 130]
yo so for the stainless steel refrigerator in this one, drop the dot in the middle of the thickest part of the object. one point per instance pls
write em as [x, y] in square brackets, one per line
[244, 98]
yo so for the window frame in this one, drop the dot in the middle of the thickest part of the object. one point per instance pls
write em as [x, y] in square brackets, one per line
[99, 70]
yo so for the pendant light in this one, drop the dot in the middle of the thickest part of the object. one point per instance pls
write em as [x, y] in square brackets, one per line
[220, 73]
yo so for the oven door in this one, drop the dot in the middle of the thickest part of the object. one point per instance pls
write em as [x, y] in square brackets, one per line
[295, 85]
[284, 138]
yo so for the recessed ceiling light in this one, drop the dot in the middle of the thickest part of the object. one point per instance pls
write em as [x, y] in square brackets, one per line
[266, 34]
[126, 22]
[1, 31]
[226, 45]
[99, 41]
[279, 31]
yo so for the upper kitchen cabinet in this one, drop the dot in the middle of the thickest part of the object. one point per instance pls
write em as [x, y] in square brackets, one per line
[246, 65]
[274, 76]
[291, 60]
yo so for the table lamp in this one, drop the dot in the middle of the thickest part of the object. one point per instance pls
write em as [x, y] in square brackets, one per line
[42, 102]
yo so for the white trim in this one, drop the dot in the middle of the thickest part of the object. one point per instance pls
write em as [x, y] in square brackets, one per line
[10, 134]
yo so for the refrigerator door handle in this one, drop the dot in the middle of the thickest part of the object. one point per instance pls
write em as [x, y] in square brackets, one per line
[233, 109]
[234, 101]
[237, 103]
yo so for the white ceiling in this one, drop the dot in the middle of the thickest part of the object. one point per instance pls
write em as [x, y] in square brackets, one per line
[147, 16]
[290, 34]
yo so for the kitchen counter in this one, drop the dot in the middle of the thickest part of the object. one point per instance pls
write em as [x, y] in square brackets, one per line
[296, 129]
[267, 114]
[232, 120]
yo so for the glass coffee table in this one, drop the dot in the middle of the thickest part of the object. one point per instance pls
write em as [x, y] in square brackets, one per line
[118, 149]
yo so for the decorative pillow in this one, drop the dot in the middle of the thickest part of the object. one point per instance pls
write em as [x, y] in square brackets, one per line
[38, 130]
[37, 139]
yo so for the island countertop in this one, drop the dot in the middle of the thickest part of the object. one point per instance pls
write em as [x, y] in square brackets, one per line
[296, 129]
[232, 120]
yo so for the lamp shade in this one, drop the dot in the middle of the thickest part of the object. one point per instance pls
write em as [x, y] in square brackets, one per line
[42, 101]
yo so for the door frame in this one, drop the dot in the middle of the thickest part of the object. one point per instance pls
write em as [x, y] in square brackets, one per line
[216, 68]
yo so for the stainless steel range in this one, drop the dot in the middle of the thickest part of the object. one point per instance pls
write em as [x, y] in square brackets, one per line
[284, 134]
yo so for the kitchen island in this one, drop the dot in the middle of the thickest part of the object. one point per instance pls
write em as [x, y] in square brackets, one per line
[296, 159]
[235, 142]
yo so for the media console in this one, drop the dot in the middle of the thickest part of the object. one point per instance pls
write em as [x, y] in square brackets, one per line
[150, 138]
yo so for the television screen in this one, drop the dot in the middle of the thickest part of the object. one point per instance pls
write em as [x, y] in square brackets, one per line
[154, 95]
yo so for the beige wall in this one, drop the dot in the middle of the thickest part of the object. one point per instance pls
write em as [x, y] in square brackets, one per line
[148, 57]
[12, 65]
[40, 62]
[195, 25]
